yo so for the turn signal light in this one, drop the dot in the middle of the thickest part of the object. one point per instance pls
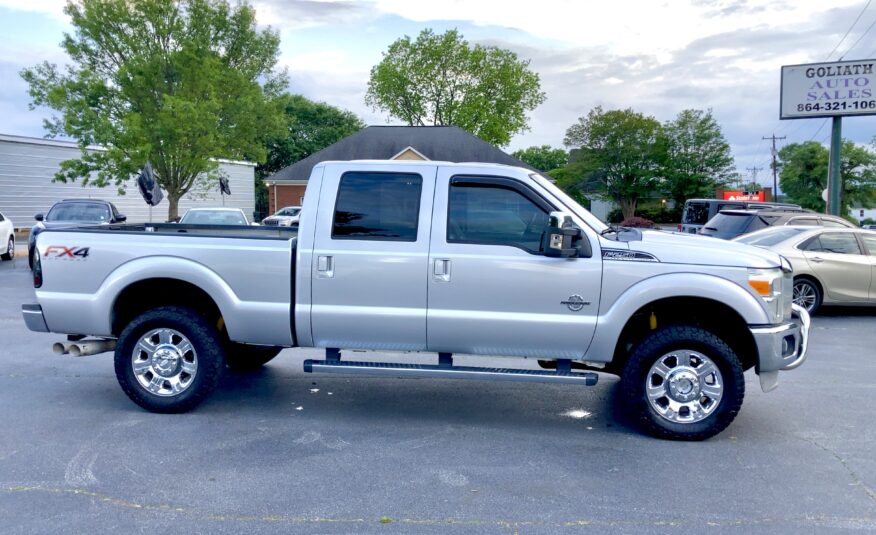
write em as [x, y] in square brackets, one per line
[761, 287]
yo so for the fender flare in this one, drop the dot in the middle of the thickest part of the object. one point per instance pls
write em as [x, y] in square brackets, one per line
[611, 323]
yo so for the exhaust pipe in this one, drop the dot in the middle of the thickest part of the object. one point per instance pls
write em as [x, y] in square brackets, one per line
[60, 349]
[90, 347]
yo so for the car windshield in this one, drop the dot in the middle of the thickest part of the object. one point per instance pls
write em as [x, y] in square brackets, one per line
[288, 212]
[770, 237]
[79, 211]
[213, 217]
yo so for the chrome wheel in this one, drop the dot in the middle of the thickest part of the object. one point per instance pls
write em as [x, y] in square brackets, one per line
[684, 386]
[805, 294]
[164, 362]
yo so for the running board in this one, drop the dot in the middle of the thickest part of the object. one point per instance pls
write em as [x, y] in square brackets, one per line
[458, 372]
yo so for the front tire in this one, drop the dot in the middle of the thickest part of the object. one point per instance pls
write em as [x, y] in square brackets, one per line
[169, 359]
[807, 294]
[682, 383]
[10, 250]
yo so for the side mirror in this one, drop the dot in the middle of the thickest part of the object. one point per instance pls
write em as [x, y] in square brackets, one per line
[563, 239]
[39, 217]
[121, 218]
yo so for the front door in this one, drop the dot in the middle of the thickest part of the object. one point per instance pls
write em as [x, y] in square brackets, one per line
[490, 290]
[837, 259]
[370, 259]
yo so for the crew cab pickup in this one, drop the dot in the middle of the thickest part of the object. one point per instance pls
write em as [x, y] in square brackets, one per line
[436, 257]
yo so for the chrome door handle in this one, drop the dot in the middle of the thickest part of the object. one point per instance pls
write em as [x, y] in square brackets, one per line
[325, 267]
[441, 270]
[817, 259]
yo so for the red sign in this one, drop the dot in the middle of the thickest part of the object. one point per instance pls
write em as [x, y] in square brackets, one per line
[744, 196]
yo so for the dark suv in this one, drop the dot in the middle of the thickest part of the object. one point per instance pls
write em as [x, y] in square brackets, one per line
[72, 213]
[729, 224]
[698, 211]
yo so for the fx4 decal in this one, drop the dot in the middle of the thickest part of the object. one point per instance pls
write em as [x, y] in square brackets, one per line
[67, 253]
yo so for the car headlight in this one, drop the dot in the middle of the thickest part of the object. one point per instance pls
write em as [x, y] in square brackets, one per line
[768, 284]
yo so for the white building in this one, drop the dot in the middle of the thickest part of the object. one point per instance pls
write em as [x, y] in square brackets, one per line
[28, 164]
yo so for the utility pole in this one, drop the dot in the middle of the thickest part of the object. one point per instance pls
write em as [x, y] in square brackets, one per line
[775, 168]
[754, 171]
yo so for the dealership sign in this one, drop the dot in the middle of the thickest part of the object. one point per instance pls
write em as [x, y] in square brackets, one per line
[828, 89]
[744, 196]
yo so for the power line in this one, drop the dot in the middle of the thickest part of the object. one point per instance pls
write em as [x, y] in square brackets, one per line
[824, 122]
[849, 30]
[870, 27]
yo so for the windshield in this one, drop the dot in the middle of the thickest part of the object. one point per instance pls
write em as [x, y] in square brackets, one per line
[213, 217]
[569, 203]
[79, 211]
[770, 237]
[289, 211]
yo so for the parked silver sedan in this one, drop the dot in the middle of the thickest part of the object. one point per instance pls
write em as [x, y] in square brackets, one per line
[833, 266]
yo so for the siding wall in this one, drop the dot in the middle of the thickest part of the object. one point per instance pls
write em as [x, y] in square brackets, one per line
[27, 166]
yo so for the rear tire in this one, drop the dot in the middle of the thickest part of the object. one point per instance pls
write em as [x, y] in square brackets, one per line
[169, 359]
[248, 358]
[682, 383]
[10, 250]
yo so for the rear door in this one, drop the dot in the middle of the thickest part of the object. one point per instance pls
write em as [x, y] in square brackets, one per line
[369, 267]
[844, 270]
[490, 290]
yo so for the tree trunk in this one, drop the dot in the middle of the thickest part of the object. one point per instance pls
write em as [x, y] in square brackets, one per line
[628, 207]
[172, 206]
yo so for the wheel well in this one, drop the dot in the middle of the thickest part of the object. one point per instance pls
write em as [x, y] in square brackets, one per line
[152, 293]
[714, 316]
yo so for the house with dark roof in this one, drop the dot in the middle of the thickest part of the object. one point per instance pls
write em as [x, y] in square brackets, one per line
[439, 143]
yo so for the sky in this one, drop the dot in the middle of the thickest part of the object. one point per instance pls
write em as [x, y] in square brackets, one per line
[656, 57]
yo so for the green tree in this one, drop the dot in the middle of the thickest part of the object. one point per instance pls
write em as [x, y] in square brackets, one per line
[696, 157]
[177, 83]
[441, 80]
[543, 158]
[308, 128]
[623, 147]
[804, 168]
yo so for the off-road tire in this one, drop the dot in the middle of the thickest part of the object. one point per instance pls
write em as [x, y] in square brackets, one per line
[207, 345]
[658, 344]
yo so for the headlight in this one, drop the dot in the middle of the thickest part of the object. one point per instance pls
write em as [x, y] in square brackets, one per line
[767, 283]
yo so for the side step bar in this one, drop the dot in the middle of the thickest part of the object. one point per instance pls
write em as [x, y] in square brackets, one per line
[458, 372]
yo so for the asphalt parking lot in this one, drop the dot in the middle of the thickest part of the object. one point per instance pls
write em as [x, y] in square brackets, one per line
[281, 451]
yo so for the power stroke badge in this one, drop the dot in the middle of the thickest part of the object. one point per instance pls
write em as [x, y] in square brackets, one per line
[575, 302]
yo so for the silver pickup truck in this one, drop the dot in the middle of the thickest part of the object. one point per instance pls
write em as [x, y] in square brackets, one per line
[438, 257]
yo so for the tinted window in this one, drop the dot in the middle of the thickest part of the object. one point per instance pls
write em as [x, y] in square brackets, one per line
[870, 242]
[494, 215]
[78, 211]
[833, 242]
[833, 224]
[730, 223]
[695, 213]
[378, 206]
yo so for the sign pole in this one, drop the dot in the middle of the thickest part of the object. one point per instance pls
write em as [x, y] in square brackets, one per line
[834, 180]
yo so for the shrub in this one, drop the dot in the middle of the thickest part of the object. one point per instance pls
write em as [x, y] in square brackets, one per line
[637, 222]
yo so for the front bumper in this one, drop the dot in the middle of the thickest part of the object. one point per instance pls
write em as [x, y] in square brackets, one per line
[781, 347]
[33, 318]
